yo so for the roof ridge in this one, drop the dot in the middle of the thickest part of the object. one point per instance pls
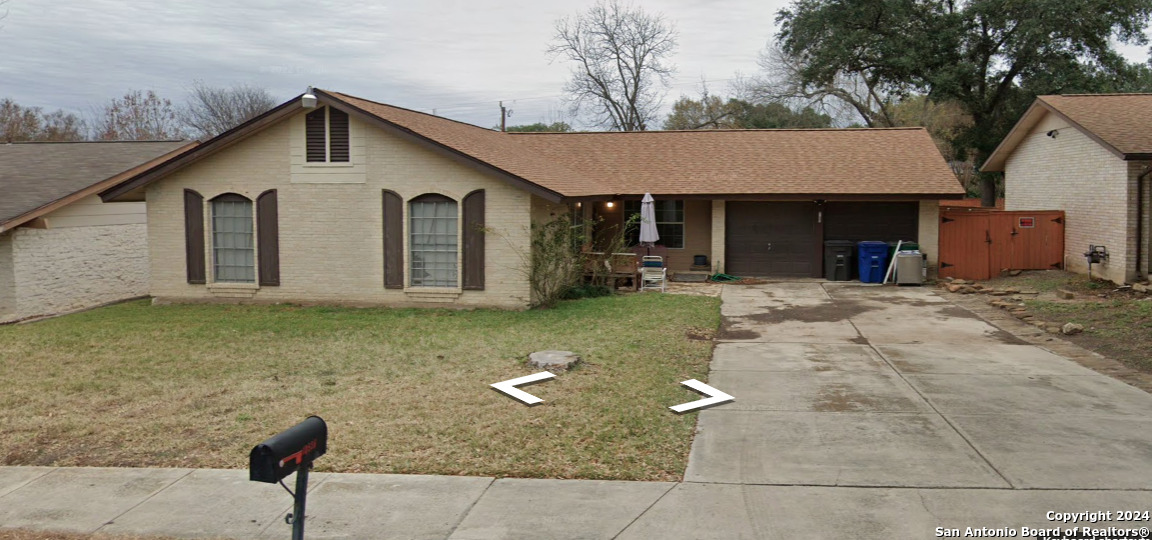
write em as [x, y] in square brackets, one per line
[97, 142]
[1110, 94]
[756, 130]
[382, 104]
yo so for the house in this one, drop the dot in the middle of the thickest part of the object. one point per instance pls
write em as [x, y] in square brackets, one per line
[333, 198]
[1090, 156]
[61, 247]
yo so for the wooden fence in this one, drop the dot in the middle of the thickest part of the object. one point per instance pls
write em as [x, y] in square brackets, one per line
[979, 244]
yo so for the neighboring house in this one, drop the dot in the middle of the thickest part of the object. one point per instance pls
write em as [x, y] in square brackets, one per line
[350, 201]
[61, 247]
[1090, 156]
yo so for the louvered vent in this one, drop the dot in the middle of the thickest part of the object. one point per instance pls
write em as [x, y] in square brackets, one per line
[338, 135]
[314, 131]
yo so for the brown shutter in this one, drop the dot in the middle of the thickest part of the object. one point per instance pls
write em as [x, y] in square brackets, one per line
[338, 135]
[393, 241]
[314, 133]
[474, 241]
[194, 236]
[268, 238]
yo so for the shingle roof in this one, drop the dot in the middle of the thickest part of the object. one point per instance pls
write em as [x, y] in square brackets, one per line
[899, 161]
[492, 147]
[773, 162]
[843, 162]
[1118, 122]
[1123, 121]
[33, 175]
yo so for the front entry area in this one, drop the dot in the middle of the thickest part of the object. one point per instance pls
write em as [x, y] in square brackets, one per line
[779, 239]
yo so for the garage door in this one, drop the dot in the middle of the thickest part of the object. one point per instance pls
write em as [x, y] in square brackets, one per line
[771, 239]
[882, 221]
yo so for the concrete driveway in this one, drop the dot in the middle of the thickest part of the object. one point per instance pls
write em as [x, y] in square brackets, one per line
[881, 412]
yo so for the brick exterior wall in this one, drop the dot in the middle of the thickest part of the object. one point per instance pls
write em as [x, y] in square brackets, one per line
[7, 279]
[718, 236]
[928, 234]
[331, 229]
[1093, 186]
[50, 271]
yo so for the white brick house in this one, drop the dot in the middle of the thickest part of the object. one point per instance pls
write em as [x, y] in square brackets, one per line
[338, 199]
[61, 247]
[1091, 156]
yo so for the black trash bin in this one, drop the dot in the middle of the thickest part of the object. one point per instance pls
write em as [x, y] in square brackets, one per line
[838, 255]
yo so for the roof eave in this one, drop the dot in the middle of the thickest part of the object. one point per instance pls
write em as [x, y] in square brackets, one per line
[205, 149]
[102, 185]
[999, 157]
[392, 127]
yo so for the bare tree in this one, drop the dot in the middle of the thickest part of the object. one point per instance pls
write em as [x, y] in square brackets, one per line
[138, 116]
[18, 123]
[211, 111]
[846, 95]
[621, 72]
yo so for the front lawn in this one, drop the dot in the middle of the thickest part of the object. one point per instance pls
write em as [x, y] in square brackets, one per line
[402, 390]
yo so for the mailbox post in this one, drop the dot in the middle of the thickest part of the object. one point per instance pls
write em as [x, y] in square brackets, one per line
[292, 450]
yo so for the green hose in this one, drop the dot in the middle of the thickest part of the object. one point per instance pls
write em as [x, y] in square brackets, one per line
[724, 277]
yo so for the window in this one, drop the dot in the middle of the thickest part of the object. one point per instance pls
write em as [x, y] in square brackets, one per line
[326, 131]
[669, 222]
[432, 241]
[232, 242]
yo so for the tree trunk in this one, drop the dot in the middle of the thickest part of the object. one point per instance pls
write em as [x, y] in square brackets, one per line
[988, 190]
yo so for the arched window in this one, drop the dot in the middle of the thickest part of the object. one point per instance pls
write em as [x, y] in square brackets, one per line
[233, 248]
[433, 241]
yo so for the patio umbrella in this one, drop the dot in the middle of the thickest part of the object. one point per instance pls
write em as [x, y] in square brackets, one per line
[648, 234]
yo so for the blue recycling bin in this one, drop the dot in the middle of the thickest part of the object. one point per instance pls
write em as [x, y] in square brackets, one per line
[872, 261]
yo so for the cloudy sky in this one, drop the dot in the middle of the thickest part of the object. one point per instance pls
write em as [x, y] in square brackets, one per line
[452, 56]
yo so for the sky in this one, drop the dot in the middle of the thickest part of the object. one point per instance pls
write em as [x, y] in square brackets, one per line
[454, 58]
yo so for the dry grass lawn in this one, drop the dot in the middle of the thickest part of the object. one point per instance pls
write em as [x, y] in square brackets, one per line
[403, 390]
[1117, 321]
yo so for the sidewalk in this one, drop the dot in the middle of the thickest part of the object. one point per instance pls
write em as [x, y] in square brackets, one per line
[224, 504]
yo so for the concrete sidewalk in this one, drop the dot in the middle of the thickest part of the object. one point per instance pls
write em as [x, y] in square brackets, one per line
[224, 504]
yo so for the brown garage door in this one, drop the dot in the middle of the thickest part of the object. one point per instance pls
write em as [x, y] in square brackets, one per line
[771, 239]
[881, 221]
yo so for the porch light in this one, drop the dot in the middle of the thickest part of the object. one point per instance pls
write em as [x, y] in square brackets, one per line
[610, 204]
[308, 100]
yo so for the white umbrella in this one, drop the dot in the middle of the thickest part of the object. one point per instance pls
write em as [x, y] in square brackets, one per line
[648, 233]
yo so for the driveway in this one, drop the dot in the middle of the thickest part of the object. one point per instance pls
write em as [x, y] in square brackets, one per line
[886, 412]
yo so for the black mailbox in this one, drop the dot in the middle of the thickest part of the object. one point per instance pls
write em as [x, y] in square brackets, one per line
[280, 456]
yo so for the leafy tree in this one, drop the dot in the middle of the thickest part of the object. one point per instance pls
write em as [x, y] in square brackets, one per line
[211, 111]
[540, 127]
[621, 56]
[711, 112]
[18, 123]
[991, 57]
[138, 116]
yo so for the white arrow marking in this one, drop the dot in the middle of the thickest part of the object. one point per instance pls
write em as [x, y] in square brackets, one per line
[714, 397]
[509, 387]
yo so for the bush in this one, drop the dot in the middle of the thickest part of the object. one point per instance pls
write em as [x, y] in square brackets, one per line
[587, 291]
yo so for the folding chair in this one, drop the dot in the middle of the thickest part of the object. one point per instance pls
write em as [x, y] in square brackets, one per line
[653, 274]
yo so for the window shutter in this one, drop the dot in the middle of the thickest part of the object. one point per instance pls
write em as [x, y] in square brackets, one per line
[473, 241]
[314, 133]
[393, 241]
[194, 236]
[338, 135]
[268, 238]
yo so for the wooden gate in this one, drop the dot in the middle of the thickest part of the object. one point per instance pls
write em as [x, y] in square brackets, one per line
[978, 244]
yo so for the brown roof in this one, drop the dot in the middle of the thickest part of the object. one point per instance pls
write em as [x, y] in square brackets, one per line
[841, 162]
[492, 147]
[739, 162]
[1118, 122]
[36, 174]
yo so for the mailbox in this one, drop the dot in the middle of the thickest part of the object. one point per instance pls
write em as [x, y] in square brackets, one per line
[282, 454]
